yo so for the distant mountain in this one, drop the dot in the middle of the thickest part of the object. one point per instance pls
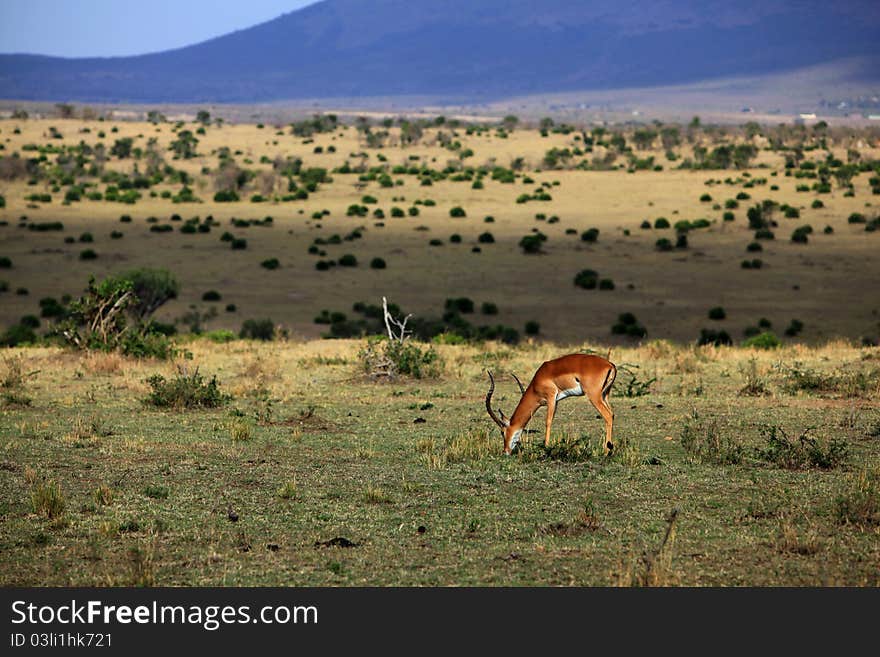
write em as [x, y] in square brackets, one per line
[467, 50]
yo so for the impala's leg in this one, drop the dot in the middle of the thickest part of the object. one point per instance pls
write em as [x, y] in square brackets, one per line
[551, 410]
[608, 415]
[601, 405]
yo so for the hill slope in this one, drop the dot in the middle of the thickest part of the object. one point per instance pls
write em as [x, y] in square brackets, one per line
[465, 50]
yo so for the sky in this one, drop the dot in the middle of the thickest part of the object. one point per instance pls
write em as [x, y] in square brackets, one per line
[106, 28]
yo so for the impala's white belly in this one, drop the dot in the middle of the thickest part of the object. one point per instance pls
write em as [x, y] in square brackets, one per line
[577, 391]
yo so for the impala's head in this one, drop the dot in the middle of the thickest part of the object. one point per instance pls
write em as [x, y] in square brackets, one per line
[509, 434]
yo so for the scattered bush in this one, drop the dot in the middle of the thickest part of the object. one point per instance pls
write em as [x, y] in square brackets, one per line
[765, 340]
[377, 263]
[704, 442]
[713, 337]
[270, 264]
[257, 329]
[802, 452]
[185, 391]
[717, 313]
[628, 325]
[590, 235]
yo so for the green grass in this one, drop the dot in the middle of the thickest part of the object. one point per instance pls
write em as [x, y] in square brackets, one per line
[337, 485]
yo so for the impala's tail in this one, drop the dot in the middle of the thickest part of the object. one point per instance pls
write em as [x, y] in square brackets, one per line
[609, 381]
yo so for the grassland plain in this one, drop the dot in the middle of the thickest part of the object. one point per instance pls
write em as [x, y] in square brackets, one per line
[829, 283]
[314, 474]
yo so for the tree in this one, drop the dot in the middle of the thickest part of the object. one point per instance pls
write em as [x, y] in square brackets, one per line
[644, 138]
[185, 144]
[122, 148]
[670, 137]
[153, 288]
[509, 122]
[65, 110]
[203, 117]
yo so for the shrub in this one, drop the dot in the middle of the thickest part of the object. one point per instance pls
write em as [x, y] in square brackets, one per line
[794, 327]
[799, 236]
[211, 295]
[860, 503]
[856, 218]
[185, 391]
[661, 222]
[257, 329]
[663, 244]
[590, 235]
[704, 442]
[47, 499]
[390, 358]
[717, 313]
[606, 284]
[271, 263]
[802, 452]
[645, 225]
[754, 247]
[5, 262]
[17, 335]
[531, 244]
[628, 325]
[88, 254]
[238, 243]
[489, 308]
[713, 337]
[348, 260]
[457, 211]
[588, 279]
[765, 340]
[486, 238]
[377, 263]
[532, 328]
[817, 204]
[461, 305]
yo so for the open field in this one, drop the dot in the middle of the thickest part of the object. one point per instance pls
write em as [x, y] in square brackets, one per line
[734, 465]
[830, 283]
[309, 452]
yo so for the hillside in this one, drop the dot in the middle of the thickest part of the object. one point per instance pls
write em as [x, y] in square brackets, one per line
[459, 50]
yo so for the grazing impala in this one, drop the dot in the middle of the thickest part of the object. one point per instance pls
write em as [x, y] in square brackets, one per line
[574, 375]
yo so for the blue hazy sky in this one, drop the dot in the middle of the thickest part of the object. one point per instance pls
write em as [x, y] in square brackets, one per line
[103, 28]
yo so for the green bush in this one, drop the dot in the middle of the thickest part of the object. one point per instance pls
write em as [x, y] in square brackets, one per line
[628, 325]
[17, 335]
[457, 211]
[588, 279]
[663, 244]
[532, 328]
[765, 340]
[717, 313]
[270, 263]
[590, 235]
[212, 295]
[390, 358]
[531, 244]
[348, 260]
[713, 337]
[185, 391]
[803, 452]
[377, 263]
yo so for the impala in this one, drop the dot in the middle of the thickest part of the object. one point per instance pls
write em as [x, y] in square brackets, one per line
[573, 375]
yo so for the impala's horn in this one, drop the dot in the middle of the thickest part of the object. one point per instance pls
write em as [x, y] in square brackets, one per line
[492, 414]
[522, 390]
